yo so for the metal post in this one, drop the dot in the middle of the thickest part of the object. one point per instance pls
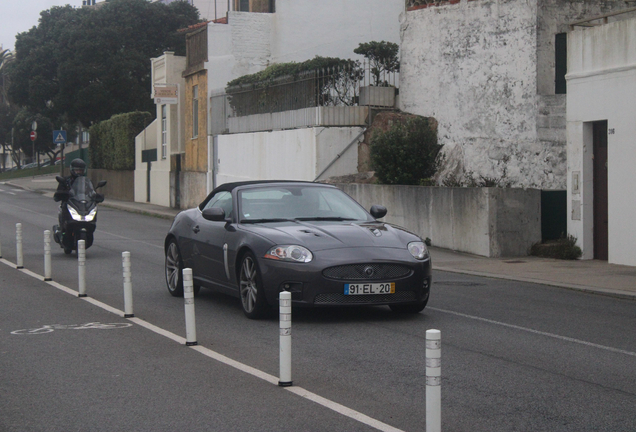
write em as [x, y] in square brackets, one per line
[128, 295]
[285, 313]
[188, 297]
[47, 255]
[18, 245]
[81, 267]
[433, 381]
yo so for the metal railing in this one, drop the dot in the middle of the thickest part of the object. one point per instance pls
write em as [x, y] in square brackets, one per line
[333, 96]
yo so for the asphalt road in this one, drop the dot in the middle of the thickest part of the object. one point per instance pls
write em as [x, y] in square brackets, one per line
[515, 356]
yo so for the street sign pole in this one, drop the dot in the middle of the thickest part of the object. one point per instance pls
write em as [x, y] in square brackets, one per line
[59, 137]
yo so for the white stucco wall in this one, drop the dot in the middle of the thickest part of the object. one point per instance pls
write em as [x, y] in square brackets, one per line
[601, 86]
[298, 31]
[297, 154]
[303, 29]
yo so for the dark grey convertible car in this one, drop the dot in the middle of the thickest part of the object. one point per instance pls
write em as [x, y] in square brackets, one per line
[256, 239]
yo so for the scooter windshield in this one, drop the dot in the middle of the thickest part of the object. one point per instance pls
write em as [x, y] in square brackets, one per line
[82, 190]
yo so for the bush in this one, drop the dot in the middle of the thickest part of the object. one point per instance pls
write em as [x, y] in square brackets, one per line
[564, 248]
[407, 153]
[113, 141]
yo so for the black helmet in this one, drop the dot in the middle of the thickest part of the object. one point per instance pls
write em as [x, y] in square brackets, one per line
[78, 168]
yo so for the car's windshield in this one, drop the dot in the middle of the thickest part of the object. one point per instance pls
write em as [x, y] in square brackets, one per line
[298, 202]
[82, 189]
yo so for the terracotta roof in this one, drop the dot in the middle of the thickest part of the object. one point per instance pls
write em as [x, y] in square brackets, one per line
[194, 26]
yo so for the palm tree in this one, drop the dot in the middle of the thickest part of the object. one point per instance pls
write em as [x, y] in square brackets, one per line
[6, 57]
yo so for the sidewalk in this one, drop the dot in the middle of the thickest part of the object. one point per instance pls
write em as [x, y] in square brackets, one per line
[584, 275]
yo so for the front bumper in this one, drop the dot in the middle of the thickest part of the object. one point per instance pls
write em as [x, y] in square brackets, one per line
[310, 285]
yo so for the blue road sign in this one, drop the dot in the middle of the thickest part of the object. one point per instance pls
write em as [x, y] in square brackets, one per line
[59, 136]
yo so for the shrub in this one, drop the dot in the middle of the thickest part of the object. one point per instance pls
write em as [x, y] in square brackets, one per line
[405, 154]
[564, 248]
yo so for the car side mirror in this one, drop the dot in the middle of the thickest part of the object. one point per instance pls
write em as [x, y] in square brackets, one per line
[101, 184]
[59, 179]
[378, 211]
[214, 214]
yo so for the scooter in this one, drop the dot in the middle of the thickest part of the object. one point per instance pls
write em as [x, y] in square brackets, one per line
[79, 214]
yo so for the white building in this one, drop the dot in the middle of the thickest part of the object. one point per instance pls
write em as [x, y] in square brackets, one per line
[601, 146]
[154, 178]
[247, 42]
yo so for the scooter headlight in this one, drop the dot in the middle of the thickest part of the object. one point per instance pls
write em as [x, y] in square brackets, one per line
[74, 214]
[89, 217]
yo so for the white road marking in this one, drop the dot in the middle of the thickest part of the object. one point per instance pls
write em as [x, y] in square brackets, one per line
[299, 391]
[525, 329]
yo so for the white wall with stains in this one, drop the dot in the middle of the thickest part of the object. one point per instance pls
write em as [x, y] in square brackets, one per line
[485, 69]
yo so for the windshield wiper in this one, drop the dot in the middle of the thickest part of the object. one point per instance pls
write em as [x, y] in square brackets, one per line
[325, 218]
[266, 220]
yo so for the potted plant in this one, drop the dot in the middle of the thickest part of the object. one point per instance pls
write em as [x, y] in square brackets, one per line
[383, 63]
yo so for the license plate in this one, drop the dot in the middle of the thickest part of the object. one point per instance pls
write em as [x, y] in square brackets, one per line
[372, 288]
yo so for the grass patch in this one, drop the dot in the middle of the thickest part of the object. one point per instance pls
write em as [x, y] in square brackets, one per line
[30, 172]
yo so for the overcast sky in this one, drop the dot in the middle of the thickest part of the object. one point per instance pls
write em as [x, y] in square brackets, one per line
[17, 16]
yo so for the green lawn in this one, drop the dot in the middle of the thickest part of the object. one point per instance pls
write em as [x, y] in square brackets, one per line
[29, 172]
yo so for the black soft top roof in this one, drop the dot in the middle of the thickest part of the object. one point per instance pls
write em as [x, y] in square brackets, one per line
[229, 187]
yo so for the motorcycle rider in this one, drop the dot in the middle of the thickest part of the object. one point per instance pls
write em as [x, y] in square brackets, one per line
[78, 169]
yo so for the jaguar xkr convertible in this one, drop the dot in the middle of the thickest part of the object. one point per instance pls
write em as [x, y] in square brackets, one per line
[253, 240]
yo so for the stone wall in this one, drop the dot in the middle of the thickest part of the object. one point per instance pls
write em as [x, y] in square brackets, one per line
[120, 184]
[492, 222]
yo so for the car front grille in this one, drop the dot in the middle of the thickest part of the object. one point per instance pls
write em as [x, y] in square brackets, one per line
[353, 272]
[341, 299]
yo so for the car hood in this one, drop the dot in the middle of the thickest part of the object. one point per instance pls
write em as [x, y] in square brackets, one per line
[334, 235]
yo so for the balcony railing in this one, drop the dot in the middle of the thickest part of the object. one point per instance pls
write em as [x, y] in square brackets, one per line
[337, 96]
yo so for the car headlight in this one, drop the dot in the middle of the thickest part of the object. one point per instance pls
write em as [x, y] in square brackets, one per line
[418, 250]
[74, 214]
[290, 253]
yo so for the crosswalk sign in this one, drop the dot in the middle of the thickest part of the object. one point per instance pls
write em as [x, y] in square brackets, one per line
[59, 137]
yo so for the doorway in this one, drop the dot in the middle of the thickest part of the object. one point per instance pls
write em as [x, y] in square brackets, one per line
[600, 204]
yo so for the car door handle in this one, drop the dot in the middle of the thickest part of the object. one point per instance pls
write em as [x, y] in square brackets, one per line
[196, 229]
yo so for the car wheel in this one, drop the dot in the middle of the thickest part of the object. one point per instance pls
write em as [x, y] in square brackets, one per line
[174, 271]
[251, 289]
[409, 308]
[68, 250]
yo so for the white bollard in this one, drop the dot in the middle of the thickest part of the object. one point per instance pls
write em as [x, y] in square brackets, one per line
[128, 296]
[188, 298]
[18, 246]
[47, 255]
[81, 267]
[285, 313]
[433, 381]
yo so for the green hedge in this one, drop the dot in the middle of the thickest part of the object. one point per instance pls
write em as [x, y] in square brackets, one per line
[406, 154]
[113, 141]
[267, 76]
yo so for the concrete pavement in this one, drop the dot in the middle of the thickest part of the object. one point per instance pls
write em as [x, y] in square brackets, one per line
[585, 275]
